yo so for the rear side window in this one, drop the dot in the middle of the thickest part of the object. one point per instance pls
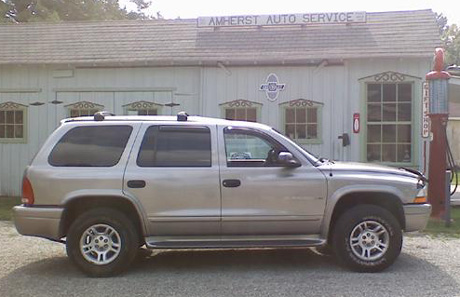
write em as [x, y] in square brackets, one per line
[90, 146]
[167, 146]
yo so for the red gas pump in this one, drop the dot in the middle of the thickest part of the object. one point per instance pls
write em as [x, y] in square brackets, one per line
[439, 112]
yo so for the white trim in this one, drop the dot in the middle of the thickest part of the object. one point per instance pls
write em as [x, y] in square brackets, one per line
[27, 90]
[454, 80]
[89, 89]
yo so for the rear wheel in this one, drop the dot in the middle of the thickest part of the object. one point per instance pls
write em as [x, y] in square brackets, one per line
[102, 242]
[367, 238]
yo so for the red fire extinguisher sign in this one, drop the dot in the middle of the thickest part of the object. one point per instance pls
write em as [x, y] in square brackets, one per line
[356, 123]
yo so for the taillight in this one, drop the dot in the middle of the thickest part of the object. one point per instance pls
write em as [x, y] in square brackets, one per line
[27, 192]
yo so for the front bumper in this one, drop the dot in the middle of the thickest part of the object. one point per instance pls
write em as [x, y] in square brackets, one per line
[38, 221]
[417, 216]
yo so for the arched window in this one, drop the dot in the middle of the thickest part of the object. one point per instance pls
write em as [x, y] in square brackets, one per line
[83, 108]
[389, 103]
[142, 108]
[301, 120]
[241, 110]
[13, 122]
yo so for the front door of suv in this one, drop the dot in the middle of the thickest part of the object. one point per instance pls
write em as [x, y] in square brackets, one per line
[173, 171]
[260, 197]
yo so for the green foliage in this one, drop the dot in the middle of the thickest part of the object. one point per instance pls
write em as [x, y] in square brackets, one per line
[451, 39]
[6, 205]
[450, 36]
[21, 11]
[438, 227]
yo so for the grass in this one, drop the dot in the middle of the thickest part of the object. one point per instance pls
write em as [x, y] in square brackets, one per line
[456, 176]
[437, 227]
[6, 205]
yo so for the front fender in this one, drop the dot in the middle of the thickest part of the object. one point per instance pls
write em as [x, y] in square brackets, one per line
[340, 193]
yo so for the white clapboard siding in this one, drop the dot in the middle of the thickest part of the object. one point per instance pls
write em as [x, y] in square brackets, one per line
[111, 88]
[325, 85]
[198, 90]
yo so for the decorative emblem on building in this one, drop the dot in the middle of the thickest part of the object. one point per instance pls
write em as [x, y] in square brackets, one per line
[272, 87]
[142, 105]
[240, 103]
[389, 76]
[37, 103]
[11, 106]
[302, 103]
[84, 105]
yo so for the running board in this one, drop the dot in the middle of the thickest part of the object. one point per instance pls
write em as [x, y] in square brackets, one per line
[159, 242]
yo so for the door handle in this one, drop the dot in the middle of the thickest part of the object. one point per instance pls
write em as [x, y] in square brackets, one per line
[136, 184]
[231, 183]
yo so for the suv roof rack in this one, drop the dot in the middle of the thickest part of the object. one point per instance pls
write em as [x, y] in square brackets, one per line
[100, 115]
[182, 116]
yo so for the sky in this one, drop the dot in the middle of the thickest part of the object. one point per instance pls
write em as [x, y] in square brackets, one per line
[171, 9]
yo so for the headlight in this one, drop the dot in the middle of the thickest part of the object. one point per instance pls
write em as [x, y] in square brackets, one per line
[421, 197]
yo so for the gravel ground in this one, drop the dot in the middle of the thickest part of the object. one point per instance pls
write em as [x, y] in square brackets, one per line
[37, 267]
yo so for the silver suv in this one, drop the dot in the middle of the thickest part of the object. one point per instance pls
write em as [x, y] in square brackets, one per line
[107, 185]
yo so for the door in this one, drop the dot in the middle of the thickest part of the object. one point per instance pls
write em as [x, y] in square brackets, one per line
[259, 197]
[173, 171]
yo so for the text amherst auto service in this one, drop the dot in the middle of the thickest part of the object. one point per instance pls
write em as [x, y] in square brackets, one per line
[283, 19]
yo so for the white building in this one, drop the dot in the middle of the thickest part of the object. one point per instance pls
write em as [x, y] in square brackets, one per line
[360, 76]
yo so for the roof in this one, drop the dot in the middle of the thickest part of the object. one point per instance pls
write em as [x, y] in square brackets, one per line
[181, 42]
[108, 118]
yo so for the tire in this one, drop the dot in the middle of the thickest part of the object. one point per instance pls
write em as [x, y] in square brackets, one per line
[367, 238]
[102, 242]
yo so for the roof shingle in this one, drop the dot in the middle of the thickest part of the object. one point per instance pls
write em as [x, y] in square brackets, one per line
[181, 42]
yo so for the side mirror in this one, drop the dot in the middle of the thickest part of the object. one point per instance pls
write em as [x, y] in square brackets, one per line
[287, 160]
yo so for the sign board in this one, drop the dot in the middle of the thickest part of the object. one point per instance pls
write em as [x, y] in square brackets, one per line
[271, 87]
[283, 19]
[356, 123]
[426, 126]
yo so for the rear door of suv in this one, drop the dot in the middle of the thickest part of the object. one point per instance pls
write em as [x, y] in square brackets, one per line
[174, 172]
[81, 159]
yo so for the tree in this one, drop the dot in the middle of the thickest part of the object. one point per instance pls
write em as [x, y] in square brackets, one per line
[21, 11]
[450, 37]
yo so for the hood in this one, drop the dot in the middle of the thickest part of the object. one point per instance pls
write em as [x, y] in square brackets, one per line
[371, 168]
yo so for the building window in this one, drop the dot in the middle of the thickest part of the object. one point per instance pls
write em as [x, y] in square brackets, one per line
[13, 118]
[142, 108]
[241, 110]
[301, 120]
[83, 108]
[389, 122]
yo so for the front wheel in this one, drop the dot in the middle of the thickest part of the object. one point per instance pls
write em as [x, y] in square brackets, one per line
[367, 238]
[102, 242]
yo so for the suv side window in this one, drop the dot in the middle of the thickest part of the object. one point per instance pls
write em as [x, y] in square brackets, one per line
[247, 148]
[175, 146]
[90, 146]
